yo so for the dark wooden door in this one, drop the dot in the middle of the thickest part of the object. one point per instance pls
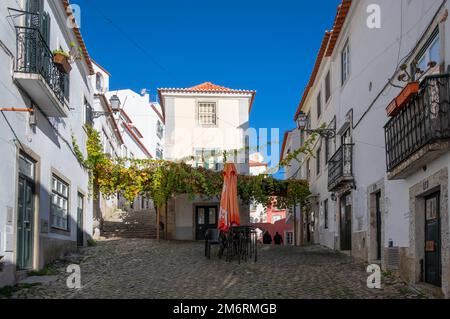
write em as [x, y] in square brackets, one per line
[433, 266]
[346, 223]
[379, 224]
[205, 218]
[25, 212]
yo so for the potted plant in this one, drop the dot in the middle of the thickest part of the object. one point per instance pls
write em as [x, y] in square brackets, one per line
[62, 61]
[410, 90]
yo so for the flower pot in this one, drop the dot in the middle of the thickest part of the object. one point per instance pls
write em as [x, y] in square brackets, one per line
[403, 98]
[62, 63]
[392, 109]
[405, 95]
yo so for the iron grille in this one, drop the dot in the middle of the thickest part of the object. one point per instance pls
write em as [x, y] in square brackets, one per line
[34, 57]
[424, 120]
[340, 166]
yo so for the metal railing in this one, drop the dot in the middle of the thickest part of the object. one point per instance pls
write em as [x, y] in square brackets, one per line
[424, 120]
[340, 166]
[33, 56]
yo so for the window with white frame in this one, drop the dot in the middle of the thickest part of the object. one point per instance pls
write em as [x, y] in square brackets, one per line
[345, 62]
[60, 204]
[159, 129]
[327, 87]
[431, 52]
[207, 158]
[207, 113]
[88, 113]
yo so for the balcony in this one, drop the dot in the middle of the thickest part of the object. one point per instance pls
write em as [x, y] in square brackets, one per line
[37, 74]
[420, 132]
[340, 168]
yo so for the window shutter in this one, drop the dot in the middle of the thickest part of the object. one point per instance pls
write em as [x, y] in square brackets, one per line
[45, 28]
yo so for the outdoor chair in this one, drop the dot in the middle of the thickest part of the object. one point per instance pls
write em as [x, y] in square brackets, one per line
[212, 237]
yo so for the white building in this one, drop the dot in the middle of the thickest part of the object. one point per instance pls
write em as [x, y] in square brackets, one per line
[145, 115]
[257, 167]
[45, 209]
[292, 141]
[399, 218]
[201, 123]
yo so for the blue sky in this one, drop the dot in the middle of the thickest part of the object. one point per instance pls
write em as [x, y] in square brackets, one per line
[268, 46]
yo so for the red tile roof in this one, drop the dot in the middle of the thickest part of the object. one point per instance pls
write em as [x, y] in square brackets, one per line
[206, 87]
[312, 78]
[327, 48]
[80, 40]
[339, 21]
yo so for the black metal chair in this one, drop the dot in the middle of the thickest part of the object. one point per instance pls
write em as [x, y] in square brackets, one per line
[212, 237]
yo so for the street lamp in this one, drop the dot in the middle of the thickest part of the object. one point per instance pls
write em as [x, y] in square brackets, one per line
[302, 124]
[115, 106]
[115, 102]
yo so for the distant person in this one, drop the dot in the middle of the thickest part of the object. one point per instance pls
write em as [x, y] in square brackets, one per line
[267, 238]
[278, 240]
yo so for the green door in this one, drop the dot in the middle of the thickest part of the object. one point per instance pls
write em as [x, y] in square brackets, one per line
[80, 219]
[433, 262]
[25, 223]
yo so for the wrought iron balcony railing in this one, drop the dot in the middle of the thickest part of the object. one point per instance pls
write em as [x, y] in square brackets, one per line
[424, 120]
[340, 167]
[34, 57]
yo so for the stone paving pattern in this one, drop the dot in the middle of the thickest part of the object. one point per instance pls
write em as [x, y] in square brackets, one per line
[144, 268]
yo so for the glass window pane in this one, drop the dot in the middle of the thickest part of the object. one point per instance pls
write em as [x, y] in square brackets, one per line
[212, 216]
[201, 216]
[435, 51]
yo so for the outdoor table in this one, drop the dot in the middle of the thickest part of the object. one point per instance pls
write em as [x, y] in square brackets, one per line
[241, 243]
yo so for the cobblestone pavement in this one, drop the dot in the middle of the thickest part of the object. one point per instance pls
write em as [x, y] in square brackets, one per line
[179, 270]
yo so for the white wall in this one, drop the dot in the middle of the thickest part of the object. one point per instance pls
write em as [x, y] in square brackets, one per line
[51, 140]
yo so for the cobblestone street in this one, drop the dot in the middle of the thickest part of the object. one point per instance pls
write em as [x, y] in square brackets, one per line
[148, 269]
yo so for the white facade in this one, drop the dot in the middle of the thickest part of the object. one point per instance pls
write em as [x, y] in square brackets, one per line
[257, 167]
[33, 232]
[145, 115]
[360, 62]
[201, 123]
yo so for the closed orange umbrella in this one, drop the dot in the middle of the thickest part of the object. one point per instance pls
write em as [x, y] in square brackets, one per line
[229, 208]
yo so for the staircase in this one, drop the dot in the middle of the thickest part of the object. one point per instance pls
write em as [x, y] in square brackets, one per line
[135, 224]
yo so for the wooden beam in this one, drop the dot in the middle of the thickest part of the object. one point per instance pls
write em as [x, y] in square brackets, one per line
[14, 109]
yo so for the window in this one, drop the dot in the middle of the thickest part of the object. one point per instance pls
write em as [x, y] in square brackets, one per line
[88, 114]
[131, 155]
[276, 218]
[124, 151]
[207, 159]
[345, 62]
[327, 87]
[325, 213]
[207, 114]
[66, 86]
[308, 169]
[289, 238]
[430, 53]
[159, 152]
[318, 161]
[99, 82]
[327, 150]
[319, 105]
[159, 129]
[60, 204]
